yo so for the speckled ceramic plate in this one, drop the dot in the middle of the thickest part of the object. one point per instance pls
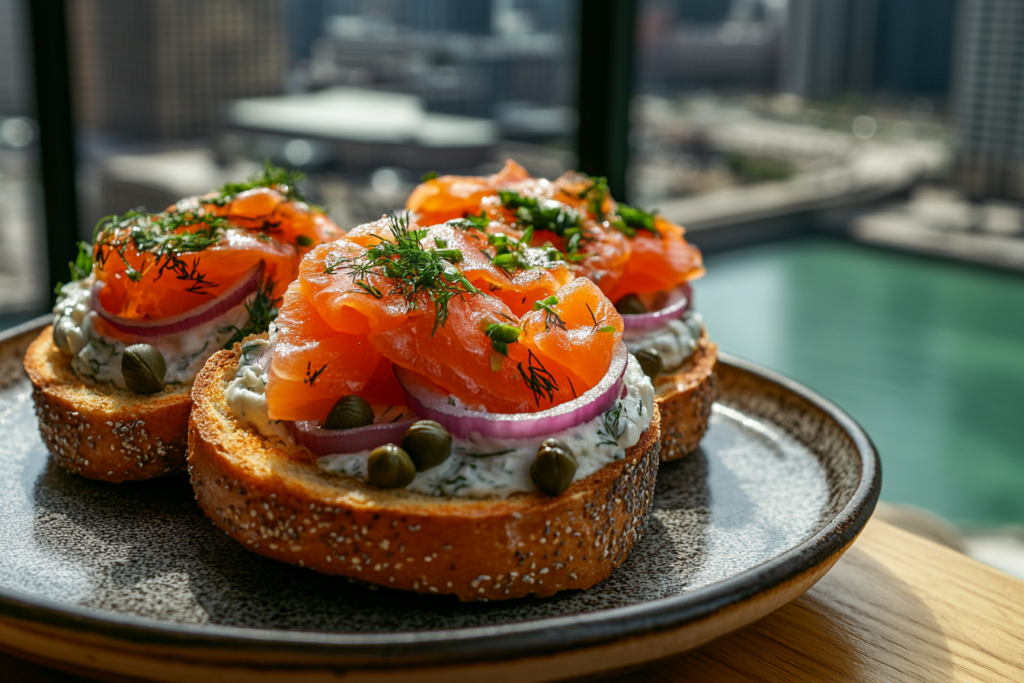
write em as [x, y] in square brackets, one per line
[132, 580]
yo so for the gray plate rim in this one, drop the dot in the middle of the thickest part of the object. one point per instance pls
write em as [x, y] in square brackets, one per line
[464, 645]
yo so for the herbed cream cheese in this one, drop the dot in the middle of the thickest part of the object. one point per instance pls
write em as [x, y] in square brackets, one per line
[674, 342]
[246, 394]
[98, 358]
[478, 467]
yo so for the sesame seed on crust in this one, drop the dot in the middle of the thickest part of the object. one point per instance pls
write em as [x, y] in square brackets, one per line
[101, 431]
[260, 493]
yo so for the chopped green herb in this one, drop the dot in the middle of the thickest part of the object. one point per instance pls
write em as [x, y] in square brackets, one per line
[595, 195]
[551, 317]
[531, 212]
[501, 335]
[429, 175]
[633, 219]
[471, 222]
[304, 241]
[509, 252]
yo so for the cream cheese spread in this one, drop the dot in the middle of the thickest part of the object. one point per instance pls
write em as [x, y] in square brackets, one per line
[246, 394]
[674, 342]
[98, 358]
[478, 467]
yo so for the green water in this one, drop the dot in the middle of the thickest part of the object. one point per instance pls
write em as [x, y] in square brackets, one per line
[927, 355]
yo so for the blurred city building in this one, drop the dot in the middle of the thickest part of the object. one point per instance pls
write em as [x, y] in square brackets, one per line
[989, 100]
[165, 69]
[357, 130]
[455, 63]
[689, 44]
[13, 68]
[22, 262]
[832, 47]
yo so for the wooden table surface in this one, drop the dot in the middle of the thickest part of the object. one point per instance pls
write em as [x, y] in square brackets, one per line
[895, 608]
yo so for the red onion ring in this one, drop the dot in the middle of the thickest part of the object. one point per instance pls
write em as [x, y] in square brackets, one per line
[429, 405]
[340, 441]
[680, 300]
[264, 360]
[233, 296]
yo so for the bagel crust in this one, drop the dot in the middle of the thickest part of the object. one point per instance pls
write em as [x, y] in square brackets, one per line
[685, 399]
[276, 501]
[102, 431]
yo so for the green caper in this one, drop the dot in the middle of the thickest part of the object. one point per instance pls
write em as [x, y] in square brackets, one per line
[427, 443]
[348, 413]
[143, 368]
[554, 467]
[650, 362]
[390, 467]
[631, 305]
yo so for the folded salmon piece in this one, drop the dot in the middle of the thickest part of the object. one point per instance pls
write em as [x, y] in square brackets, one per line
[622, 249]
[391, 294]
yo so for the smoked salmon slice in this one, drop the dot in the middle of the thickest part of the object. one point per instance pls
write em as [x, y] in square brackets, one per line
[622, 249]
[155, 266]
[421, 299]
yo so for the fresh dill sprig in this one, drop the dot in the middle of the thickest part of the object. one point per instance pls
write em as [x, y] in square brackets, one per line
[412, 269]
[597, 323]
[609, 431]
[551, 216]
[312, 375]
[262, 310]
[282, 179]
[159, 234]
[537, 378]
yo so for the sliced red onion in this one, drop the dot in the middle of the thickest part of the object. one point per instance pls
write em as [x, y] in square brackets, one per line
[336, 441]
[679, 301]
[429, 405]
[264, 360]
[232, 296]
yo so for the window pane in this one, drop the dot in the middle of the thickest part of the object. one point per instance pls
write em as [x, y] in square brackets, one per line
[22, 262]
[795, 96]
[177, 96]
